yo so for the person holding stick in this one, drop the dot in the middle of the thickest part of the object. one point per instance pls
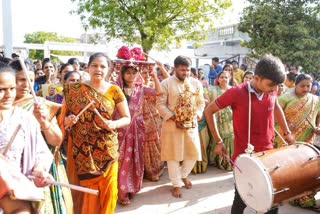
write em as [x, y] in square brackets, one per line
[261, 93]
[57, 199]
[26, 150]
[93, 144]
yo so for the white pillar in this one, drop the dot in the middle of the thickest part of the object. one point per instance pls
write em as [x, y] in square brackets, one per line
[7, 28]
[46, 50]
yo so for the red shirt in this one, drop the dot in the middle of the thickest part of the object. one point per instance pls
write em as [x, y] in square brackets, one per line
[262, 118]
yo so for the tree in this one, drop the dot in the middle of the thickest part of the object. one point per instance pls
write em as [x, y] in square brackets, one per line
[40, 37]
[151, 23]
[289, 29]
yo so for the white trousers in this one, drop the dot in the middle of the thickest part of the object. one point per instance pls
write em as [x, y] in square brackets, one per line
[176, 173]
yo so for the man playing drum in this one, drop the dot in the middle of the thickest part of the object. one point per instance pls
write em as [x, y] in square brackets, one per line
[269, 73]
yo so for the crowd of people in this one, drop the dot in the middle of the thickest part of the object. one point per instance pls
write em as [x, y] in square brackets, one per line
[107, 125]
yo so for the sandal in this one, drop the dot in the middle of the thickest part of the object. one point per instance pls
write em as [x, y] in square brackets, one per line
[124, 202]
[187, 183]
[176, 192]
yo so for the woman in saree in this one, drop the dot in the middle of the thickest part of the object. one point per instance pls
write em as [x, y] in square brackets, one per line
[23, 152]
[299, 106]
[153, 166]
[131, 148]
[57, 199]
[201, 166]
[93, 144]
[224, 121]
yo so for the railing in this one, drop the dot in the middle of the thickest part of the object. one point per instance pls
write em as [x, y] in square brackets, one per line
[233, 57]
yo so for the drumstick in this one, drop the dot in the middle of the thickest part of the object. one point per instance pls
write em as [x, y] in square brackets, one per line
[83, 110]
[28, 79]
[232, 162]
[11, 140]
[70, 186]
[281, 138]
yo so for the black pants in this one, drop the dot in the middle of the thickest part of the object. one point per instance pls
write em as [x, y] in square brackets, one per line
[238, 205]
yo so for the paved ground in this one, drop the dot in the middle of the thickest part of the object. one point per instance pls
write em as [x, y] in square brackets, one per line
[212, 192]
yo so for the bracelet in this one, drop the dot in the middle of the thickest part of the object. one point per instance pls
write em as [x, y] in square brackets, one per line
[219, 142]
[286, 133]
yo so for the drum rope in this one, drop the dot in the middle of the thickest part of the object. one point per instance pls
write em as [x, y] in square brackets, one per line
[250, 147]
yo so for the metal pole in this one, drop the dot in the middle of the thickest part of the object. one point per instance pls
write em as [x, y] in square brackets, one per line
[7, 28]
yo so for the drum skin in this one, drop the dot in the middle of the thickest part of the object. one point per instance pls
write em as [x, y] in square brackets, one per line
[271, 177]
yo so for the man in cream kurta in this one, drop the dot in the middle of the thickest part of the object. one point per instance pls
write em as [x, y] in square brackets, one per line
[180, 144]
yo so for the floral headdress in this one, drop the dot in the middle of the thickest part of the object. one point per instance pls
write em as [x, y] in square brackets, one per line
[132, 57]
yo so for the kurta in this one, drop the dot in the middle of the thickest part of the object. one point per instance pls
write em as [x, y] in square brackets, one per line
[176, 143]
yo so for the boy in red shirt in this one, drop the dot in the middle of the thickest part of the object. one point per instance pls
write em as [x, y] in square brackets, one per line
[269, 73]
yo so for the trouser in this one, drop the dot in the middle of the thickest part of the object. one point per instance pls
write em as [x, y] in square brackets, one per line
[211, 81]
[238, 205]
[176, 173]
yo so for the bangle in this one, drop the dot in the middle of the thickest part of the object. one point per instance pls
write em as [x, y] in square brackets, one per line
[219, 142]
[286, 133]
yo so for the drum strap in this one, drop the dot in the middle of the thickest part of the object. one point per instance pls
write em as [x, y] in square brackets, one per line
[11, 140]
[250, 147]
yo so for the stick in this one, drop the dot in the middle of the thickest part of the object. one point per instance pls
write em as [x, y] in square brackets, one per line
[95, 110]
[11, 140]
[28, 79]
[102, 118]
[70, 186]
[83, 110]
[310, 123]
[281, 138]
[149, 56]
[231, 161]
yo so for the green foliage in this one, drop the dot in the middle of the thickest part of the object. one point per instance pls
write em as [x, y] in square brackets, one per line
[151, 23]
[40, 37]
[289, 29]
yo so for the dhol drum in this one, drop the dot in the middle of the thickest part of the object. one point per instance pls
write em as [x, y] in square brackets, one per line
[271, 177]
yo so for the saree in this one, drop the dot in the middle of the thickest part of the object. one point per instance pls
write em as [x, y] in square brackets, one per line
[57, 199]
[153, 166]
[131, 148]
[92, 150]
[205, 140]
[296, 111]
[225, 128]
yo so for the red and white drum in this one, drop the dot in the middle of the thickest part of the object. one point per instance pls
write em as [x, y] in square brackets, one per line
[271, 177]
